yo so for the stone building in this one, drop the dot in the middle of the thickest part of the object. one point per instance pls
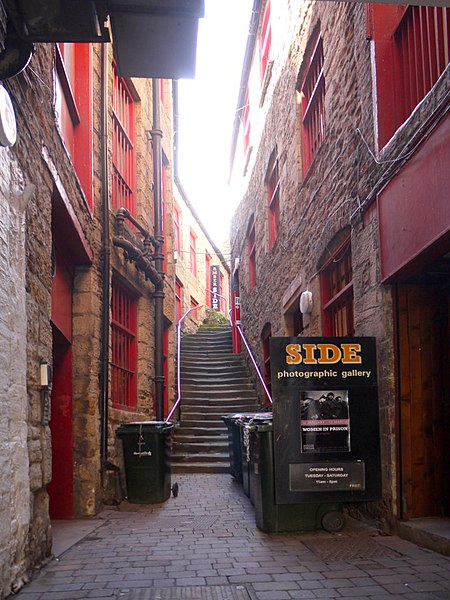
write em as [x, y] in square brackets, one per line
[339, 158]
[87, 304]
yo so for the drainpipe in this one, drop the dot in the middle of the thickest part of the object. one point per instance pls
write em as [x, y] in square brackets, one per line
[106, 250]
[249, 51]
[156, 135]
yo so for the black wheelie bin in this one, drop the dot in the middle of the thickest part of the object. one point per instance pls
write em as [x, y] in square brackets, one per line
[147, 470]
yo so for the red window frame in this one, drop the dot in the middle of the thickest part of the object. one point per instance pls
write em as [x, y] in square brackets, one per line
[124, 347]
[412, 50]
[74, 108]
[337, 293]
[176, 228]
[178, 300]
[251, 248]
[123, 159]
[194, 305]
[265, 41]
[312, 95]
[265, 339]
[273, 199]
[193, 252]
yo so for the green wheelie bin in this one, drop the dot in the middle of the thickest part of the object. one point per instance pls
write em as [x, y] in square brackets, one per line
[147, 470]
[273, 517]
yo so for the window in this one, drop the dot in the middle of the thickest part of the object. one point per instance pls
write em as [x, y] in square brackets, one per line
[194, 305]
[193, 252]
[265, 338]
[273, 199]
[251, 246]
[124, 347]
[412, 46]
[123, 146]
[265, 40]
[312, 99]
[337, 293]
[74, 108]
[294, 319]
[176, 228]
[246, 124]
[178, 300]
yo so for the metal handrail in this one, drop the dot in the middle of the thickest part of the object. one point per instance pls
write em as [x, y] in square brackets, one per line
[178, 400]
[241, 333]
[238, 327]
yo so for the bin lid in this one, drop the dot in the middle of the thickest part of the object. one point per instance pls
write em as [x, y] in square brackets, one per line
[145, 427]
[252, 416]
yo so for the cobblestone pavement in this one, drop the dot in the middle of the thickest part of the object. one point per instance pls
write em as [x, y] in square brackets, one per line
[204, 545]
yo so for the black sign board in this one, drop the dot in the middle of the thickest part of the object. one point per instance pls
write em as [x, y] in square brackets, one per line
[325, 417]
[215, 287]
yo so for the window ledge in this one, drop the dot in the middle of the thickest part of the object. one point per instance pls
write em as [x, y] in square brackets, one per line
[266, 81]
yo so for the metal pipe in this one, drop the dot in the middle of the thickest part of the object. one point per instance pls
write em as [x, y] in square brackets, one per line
[156, 135]
[141, 261]
[106, 251]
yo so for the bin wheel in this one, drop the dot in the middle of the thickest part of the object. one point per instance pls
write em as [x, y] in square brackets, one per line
[175, 489]
[333, 521]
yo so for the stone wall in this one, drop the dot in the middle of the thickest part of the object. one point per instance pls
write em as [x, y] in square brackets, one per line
[319, 208]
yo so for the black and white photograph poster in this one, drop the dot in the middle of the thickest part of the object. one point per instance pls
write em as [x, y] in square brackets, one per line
[324, 421]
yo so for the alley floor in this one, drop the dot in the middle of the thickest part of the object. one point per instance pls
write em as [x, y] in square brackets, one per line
[204, 545]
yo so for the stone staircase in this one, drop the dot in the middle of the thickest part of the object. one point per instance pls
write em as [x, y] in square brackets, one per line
[214, 382]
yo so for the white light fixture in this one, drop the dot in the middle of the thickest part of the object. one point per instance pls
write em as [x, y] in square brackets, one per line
[306, 303]
[8, 127]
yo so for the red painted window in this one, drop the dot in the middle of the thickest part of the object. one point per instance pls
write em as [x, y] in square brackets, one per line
[208, 279]
[178, 300]
[177, 229]
[265, 40]
[273, 199]
[265, 338]
[412, 49]
[246, 123]
[123, 146]
[74, 108]
[337, 293]
[124, 347]
[251, 247]
[194, 305]
[312, 94]
[193, 252]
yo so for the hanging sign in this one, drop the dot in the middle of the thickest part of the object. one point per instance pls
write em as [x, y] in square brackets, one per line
[215, 287]
[325, 417]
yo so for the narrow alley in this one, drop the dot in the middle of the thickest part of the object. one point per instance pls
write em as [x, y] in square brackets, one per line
[204, 545]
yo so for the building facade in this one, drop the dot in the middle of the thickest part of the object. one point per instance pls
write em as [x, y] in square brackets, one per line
[84, 265]
[338, 157]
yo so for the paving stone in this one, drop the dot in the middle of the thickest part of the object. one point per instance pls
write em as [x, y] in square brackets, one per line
[209, 541]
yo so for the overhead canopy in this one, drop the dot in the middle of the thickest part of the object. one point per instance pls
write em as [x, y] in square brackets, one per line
[152, 38]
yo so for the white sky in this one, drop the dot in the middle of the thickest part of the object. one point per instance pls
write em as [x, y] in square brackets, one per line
[207, 105]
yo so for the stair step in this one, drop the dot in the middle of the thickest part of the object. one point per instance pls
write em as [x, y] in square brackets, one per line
[200, 448]
[214, 383]
[200, 467]
[213, 457]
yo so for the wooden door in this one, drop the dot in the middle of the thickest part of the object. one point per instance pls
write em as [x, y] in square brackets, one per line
[423, 378]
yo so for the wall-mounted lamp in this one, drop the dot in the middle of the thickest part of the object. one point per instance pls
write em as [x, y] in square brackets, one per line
[46, 384]
[306, 303]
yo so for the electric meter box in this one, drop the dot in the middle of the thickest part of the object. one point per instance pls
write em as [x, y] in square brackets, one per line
[325, 419]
